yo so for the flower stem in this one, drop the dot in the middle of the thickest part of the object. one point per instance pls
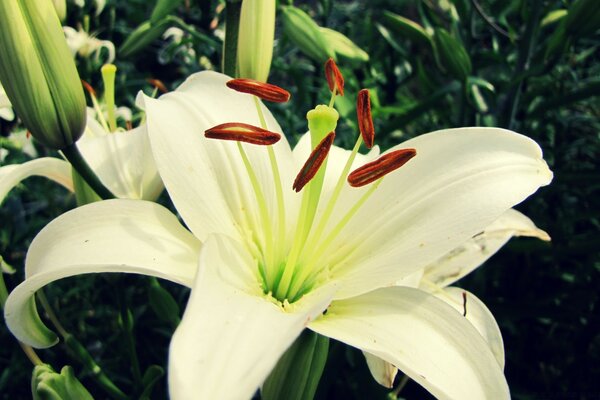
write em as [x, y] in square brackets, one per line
[232, 28]
[72, 154]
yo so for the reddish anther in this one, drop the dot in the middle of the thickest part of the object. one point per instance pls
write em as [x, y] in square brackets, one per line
[89, 88]
[264, 91]
[240, 132]
[385, 164]
[334, 77]
[314, 162]
[365, 120]
[158, 84]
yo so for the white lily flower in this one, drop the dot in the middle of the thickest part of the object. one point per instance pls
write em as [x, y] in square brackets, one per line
[459, 262]
[122, 160]
[82, 43]
[6, 111]
[237, 324]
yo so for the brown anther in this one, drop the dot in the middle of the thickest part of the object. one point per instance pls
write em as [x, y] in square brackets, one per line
[158, 85]
[314, 162]
[240, 132]
[28, 135]
[335, 80]
[128, 125]
[262, 90]
[89, 88]
[385, 164]
[365, 120]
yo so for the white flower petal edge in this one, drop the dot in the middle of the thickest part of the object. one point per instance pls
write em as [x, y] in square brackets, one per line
[428, 340]
[230, 338]
[460, 181]
[474, 252]
[477, 314]
[206, 178]
[51, 168]
[122, 160]
[382, 371]
[109, 236]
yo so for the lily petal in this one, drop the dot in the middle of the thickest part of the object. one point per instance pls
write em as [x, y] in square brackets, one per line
[474, 252]
[477, 314]
[231, 334]
[206, 179]
[51, 168]
[99, 237]
[428, 340]
[123, 161]
[460, 182]
[382, 371]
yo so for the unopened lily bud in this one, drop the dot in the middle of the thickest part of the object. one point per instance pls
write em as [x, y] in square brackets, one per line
[39, 74]
[343, 46]
[451, 55]
[321, 120]
[61, 9]
[304, 32]
[49, 385]
[255, 40]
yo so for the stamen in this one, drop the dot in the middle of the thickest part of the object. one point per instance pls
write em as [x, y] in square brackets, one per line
[314, 162]
[94, 97]
[241, 132]
[262, 90]
[335, 80]
[158, 85]
[385, 164]
[365, 120]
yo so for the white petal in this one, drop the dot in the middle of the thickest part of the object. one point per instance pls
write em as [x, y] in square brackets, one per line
[427, 339]
[478, 315]
[123, 161]
[383, 372]
[231, 335]
[474, 252]
[51, 168]
[109, 236]
[206, 178]
[460, 181]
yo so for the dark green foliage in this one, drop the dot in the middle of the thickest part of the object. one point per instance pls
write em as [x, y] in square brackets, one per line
[512, 71]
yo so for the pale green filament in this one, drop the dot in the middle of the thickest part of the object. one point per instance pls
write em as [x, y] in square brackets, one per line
[276, 179]
[311, 268]
[109, 72]
[99, 113]
[333, 94]
[264, 215]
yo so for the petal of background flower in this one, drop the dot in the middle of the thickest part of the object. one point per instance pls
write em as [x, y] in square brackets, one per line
[475, 251]
[206, 178]
[460, 182]
[109, 236]
[231, 334]
[52, 168]
[382, 371]
[123, 161]
[427, 339]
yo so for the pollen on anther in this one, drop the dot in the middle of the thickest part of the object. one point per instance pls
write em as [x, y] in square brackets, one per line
[314, 162]
[365, 119]
[241, 132]
[385, 164]
[158, 84]
[335, 80]
[89, 88]
[264, 91]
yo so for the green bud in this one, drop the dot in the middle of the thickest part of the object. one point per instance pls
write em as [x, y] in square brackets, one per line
[304, 32]
[450, 55]
[38, 72]
[255, 39]
[553, 17]
[321, 120]
[49, 385]
[298, 372]
[142, 36]
[406, 28]
[343, 46]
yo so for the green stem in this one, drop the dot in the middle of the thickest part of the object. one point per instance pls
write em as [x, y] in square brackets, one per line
[72, 154]
[232, 28]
